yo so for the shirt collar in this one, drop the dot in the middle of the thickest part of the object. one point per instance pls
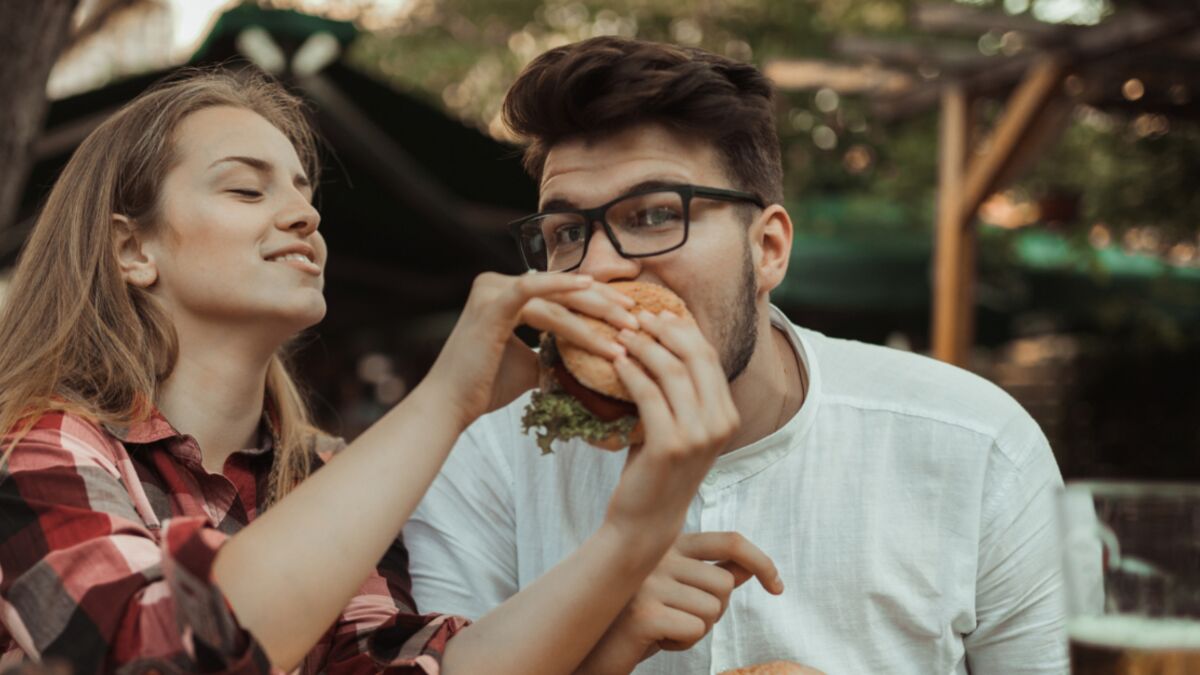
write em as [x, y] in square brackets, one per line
[740, 464]
[155, 428]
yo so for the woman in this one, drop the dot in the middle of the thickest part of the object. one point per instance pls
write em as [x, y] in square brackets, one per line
[151, 420]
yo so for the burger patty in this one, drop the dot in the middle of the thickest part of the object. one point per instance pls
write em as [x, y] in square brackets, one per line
[605, 408]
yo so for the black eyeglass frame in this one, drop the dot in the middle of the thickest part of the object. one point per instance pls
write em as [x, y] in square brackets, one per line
[596, 214]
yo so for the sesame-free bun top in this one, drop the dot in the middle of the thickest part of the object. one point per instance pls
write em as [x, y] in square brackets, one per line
[596, 372]
[774, 668]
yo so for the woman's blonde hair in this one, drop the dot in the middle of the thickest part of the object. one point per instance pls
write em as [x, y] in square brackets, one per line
[73, 335]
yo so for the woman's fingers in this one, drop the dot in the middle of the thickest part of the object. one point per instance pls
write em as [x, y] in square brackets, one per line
[599, 301]
[509, 294]
[567, 325]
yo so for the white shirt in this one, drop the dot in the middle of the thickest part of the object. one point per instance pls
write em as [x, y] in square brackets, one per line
[908, 506]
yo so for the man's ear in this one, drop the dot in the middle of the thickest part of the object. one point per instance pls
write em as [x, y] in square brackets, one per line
[771, 246]
[134, 257]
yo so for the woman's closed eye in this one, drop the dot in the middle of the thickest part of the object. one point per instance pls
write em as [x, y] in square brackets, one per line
[246, 192]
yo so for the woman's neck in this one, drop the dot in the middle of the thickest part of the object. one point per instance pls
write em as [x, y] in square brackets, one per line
[215, 392]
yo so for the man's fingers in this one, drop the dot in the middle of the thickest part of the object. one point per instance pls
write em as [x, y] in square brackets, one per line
[732, 547]
[717, 580]
[651, 404]
[683, 337]
[680, 630]
[666, 369]
[694, 601]
[740, 574]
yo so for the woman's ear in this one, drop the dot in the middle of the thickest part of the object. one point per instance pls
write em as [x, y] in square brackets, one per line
[771, 239]
[134, 258]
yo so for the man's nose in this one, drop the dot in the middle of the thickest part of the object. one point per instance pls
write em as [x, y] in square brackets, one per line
[602, 261]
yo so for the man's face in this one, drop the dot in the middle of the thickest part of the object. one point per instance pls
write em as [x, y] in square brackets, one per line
[713, 272]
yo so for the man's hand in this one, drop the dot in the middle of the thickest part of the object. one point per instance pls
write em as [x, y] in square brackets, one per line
[681, 599]
[674, 375]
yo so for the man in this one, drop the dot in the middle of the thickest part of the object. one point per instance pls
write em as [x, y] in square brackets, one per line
[905, 503]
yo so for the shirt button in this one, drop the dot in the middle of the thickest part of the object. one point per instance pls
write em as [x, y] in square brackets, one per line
[711, 479]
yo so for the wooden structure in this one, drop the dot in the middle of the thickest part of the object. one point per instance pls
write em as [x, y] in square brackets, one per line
[1046, 70]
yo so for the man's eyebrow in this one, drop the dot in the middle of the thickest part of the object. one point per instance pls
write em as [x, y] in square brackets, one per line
[558, 203]
[262, 166]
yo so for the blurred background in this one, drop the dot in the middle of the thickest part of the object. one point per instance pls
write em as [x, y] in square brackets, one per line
[1009, 185]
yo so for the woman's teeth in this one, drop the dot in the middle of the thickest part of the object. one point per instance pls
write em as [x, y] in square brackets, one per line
[293, 256]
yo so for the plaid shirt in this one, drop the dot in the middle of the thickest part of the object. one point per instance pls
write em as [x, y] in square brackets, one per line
[107, 540]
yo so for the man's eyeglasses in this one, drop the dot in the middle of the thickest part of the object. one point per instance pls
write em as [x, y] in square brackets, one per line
[640, 224]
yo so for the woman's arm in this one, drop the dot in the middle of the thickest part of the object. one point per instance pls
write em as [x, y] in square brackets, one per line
[291, 571]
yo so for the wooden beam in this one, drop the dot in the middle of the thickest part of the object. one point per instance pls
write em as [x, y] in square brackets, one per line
[1020, 117]
[949, 344]
[1119, 37]
[809, 74]
[910, 54]
[953, 18]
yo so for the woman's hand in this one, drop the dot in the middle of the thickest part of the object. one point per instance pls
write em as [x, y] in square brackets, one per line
[483, 366]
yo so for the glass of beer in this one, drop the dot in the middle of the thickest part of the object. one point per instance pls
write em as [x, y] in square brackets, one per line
[1131, 555]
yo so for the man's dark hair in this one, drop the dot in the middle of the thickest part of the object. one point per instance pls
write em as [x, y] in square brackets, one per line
[606, 84]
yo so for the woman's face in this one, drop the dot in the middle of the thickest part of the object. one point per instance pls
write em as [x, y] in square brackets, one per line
[238, 245]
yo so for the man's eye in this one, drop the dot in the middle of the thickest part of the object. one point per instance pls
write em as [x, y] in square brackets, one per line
[658, 217]
[568, 234]
[247, 193]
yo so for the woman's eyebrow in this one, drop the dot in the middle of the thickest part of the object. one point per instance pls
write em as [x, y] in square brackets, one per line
[262, 166]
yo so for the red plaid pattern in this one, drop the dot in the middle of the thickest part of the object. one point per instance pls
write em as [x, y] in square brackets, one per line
[107, 539]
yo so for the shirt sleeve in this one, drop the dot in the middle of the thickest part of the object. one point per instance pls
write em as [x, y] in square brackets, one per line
[380, 630]
[1019, 605]
[86, 581]
[462, 537]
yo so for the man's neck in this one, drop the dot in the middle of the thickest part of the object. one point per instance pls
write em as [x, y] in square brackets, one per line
[215, 392]
[771, 389]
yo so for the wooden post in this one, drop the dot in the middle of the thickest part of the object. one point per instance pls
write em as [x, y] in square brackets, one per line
[1021, 118]
[962, 188]
[948, 294]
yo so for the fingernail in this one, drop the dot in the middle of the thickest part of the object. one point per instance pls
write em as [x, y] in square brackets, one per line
[778, 584]
[625, 335]
[645, 316]
[627, 301]
[668, 314]
[629, 320]
[617, 350]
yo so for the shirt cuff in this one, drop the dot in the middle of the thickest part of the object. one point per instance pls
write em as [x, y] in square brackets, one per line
[212, 637]
[411, 643]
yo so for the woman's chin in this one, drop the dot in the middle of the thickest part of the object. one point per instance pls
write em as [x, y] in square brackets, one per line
[300, 316]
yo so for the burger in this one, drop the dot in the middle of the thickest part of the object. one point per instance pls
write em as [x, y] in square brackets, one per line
[580, 395]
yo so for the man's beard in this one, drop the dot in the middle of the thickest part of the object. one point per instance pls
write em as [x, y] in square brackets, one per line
[739, 333]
